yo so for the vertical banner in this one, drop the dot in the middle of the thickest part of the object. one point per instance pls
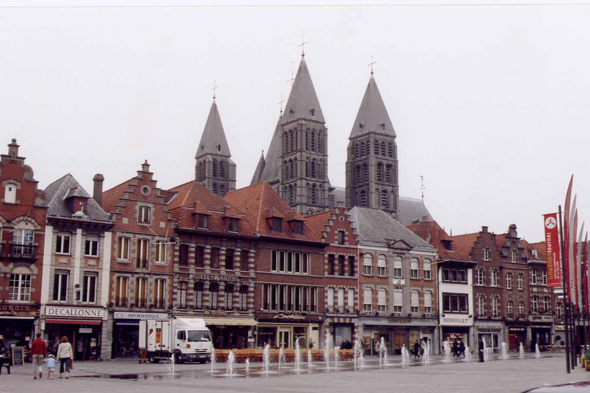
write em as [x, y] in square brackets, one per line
[554, 278]
[566, 243]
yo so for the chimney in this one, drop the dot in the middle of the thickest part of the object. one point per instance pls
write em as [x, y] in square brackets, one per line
[97, 195]
[145, 167]
[484, 229]
[424, 218]
[13, 149]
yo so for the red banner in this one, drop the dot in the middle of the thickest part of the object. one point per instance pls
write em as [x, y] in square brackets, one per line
[554, 277]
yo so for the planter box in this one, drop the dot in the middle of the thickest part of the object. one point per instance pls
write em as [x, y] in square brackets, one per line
[256, 355]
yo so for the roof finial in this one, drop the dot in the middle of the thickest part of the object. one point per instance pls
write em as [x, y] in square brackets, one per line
[371, 65]
[302, 45]
[281, 104]
[214, 89]
[292, 80]
[422, 187]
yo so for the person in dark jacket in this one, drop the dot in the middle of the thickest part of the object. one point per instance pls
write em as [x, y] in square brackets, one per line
[37, 353]
[461, 348]
[417, 349]
[481, 347]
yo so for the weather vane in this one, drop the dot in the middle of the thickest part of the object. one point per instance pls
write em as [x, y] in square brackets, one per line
[214, 89]
[302, 45]
[371, 65]
[422, 187]
[281, 104]
[292, 80]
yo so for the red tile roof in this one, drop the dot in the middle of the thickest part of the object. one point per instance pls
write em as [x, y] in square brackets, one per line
[463, 244]
[110, 198]
[256, 199]
[317, 222]
[435, 235]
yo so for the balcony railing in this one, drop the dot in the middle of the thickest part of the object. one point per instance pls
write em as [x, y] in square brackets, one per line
[22, 251]
[121, 302]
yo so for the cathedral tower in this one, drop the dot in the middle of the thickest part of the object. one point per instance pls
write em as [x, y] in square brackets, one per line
[371, 165]
[215, 169]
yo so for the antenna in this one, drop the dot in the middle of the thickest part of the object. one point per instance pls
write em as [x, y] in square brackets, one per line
[281, 104]
[214, 89]
[422, 188]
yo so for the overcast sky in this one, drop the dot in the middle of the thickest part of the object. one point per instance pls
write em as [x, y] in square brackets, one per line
[491, 104]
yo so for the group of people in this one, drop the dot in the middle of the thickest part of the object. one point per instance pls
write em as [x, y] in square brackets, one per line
[38, 356]
[458, 348]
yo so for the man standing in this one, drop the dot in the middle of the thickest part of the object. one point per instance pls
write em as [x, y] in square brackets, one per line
[37, 354]
[481, 348]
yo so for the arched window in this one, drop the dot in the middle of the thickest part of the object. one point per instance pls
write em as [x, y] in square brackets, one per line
[362, 149]
[291, 174]
[294, 168]
[292, 140]
[380, 172]
[358, 174]
[390, 150]
[199, 171]
[314, 194]
[286, 142]
[215, 188]
[384, 199]
[368, 264]
[307, 168]
[363, 198]
[382, 265]
[368, 150]
[356, 150]
[291, 201]
[322, 198]
[382, 299]
[320, 171]
[222, 169]
[286, 170]
[309, 193]
[365, 173]
[307, 140]
[313, 168]
[313, 140]
[320, 142]
[376, 148]
[222, 189]
[388, 174]
[383, 152]
[214, 174]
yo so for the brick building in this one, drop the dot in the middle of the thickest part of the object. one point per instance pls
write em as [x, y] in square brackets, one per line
[334, 228]
[214, 269]
[141, 258]
[289, 270]
[76, 270]
[22, 243]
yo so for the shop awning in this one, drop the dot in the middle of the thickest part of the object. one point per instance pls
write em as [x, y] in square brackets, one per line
[13, 317]
[230, 321]
[72, 322]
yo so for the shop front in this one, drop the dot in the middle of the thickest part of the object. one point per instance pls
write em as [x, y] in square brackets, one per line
[283, 330]
[230, 331]
[83, 326]
[126, 332]
[457, 326]
[517, 334]
[396, 332]
[17, 324]
[541, 329]
[342, 330]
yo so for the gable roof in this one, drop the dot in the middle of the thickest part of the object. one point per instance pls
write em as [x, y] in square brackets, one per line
[303, 98]
[110, 198]
[372, 113]
[318, 222]
[432, 232]
[259, 199]
[65, 187]
[213, 140]
[463, 244]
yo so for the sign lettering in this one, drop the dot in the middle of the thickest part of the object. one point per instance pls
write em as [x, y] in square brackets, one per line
[293, 315]
[73, 312]
[554, 278]
[216, 277]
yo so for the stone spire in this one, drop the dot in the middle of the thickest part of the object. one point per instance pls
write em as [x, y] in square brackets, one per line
[303, 102]
[259, 169]
[213, 140]
[372, 115]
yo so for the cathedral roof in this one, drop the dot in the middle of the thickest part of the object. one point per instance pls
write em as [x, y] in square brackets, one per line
[372, 115]
[213, 140]
[412, 210]
[259, 169]
[303, 102]
[272, 165]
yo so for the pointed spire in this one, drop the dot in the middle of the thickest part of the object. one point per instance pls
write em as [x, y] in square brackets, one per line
[303, 103]
[272, 164]
[372, 115]
[259, 169]
[213, 140]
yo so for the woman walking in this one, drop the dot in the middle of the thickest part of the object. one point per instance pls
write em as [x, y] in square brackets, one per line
[64, 355]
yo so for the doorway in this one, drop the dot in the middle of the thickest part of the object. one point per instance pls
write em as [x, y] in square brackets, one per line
[285, 338]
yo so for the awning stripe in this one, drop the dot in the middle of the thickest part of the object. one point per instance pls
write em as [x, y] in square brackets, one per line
[72, 322]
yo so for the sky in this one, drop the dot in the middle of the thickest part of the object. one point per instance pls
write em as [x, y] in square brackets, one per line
[490, 103]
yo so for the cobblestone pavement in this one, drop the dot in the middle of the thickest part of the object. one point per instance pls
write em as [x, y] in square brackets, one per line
[513, 375]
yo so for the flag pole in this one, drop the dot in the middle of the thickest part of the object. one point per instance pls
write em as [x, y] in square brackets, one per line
[565, 303]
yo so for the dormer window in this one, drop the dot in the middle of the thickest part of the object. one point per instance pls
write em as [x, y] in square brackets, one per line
[298, 227]
[382, 125]
[276, 224]
[312, 111]
[144, 215]
[10, 193]
[232, 225]
[202, 221]
[447, 244]
[535, 253]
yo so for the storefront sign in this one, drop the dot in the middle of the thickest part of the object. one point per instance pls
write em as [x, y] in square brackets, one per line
[544, 318]
[140, 315]
[552, 248]
[540, 327]
[559, 327]
[12, 307]
[400, 320]
[85, 330]
[216, 277]
[456, 320]
[517, 329]
[292, 315]
[73, 312]
[488, 330]
[216, 313]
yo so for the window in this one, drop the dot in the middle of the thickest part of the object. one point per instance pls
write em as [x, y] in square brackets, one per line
[298, 227]
[367, 264]
[331, 259]
[495, 311]
[182, 291]
[486, 254]
[144, 215]
[382, 299]
[398, 301]
[161, 248]
[199, 295]
[494, 278]
[60, 287]
[415, 301]
[213, 292]
[10, 193]
[481, 308]
[340, 237]
[62, 245]
[351, 300]
[544, 277]
[215, 258]
[533, 276]
[229, 297]
[160, 293]
[330, 299]
[142, 253]
[397, 267]
[20, 288]
[510, 309]
[202, 221]
[509, 280]
[351, 266]
[232, 225]
[520, 281]
[414, 268]
[368, 299]
[200, 256]
[559, 310]
[276, 224]
[546, 304]
[123, 248]
[428, 302]
[244, 259]
[229, 258]
[24, 236]
[244, 298]
[141, 292]
[479, 276]
[382, 265]
[89, 289]
[427, 269]
[91, 247]
[535, 303]
[121, 291]
[513, 256]
[521, 312]
[455, 303]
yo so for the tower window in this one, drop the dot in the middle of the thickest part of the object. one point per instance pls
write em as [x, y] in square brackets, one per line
[362, 149]
[214, 169]
[356, 150]
[313, 141]
[365, 173]
[312, 111]
[384, 198]
[218, 147]
[383, 152]
[313, 168]
[388, 174]
[376, 148]
[363, 198]
[361, 124]
[358, 177]
[380, 172]
[390, 150]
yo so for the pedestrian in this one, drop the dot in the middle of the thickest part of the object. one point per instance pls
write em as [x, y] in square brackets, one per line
[50, 362]
[37, 354]
[461, 348]
[481, 349]
[64, 355]
[456, 352]
[417, 349]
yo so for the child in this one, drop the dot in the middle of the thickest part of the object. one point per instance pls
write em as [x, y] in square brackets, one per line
[50, 366]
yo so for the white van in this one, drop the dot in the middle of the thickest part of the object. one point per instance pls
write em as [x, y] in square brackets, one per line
[187, 338]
